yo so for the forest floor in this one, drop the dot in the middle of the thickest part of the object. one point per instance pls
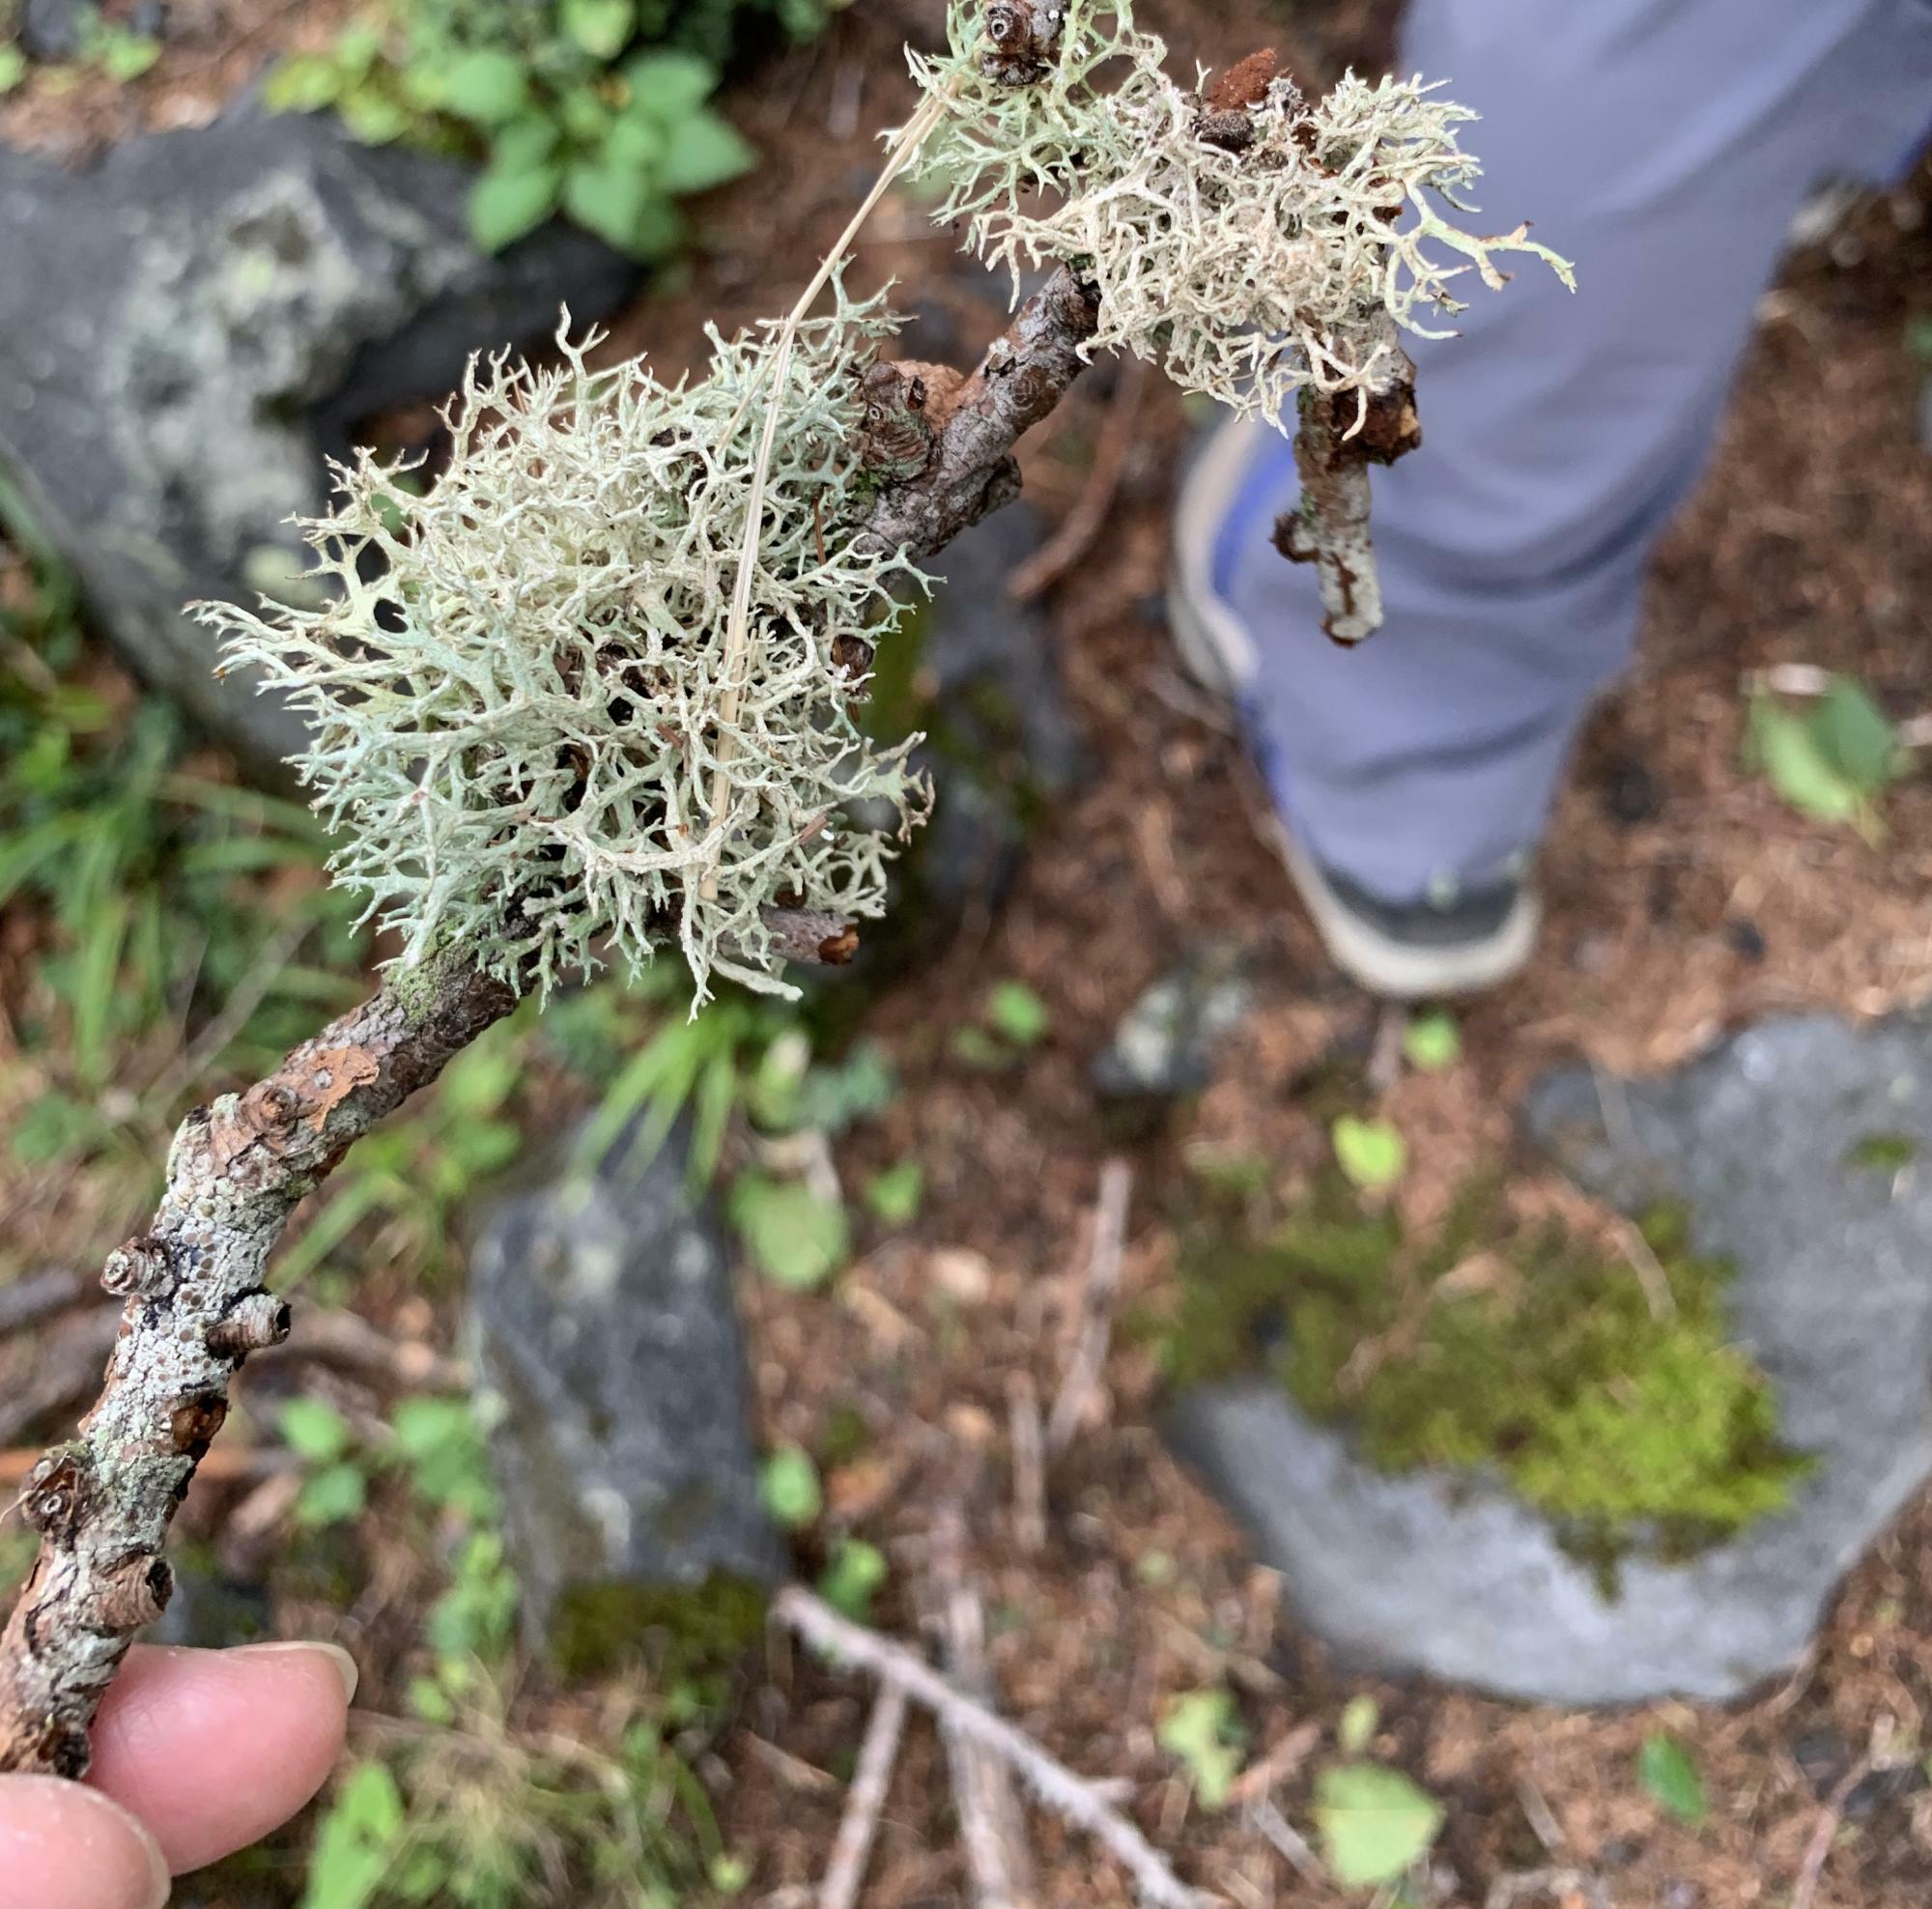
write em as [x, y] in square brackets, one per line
[1684, 899]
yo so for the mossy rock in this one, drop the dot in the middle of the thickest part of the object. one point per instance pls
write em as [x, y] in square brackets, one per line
[1535, 1358]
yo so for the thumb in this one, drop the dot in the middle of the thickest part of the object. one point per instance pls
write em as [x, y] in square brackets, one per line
[65, 1847]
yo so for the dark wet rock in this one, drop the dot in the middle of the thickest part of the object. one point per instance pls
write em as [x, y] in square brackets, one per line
[975, 672]
[54, 29]
[190, 327]
[210, 1611]
[613, 1366]
[1164, 1045]
[1803, 1151]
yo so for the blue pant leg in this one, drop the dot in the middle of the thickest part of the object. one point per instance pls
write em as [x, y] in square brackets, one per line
[1665, 146]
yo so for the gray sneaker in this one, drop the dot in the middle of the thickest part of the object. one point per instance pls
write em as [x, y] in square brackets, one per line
[1452, 942]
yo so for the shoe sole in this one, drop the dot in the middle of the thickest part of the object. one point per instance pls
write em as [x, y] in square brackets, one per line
[1215, 650]
[1210, 639]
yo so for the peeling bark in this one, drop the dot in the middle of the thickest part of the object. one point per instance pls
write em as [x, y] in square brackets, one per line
[1342, 434]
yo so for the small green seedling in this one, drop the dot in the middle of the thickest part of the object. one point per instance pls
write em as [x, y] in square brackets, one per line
[1204, 1730]
[1664, 1768]
[1372, 1154]
[1375, 1822]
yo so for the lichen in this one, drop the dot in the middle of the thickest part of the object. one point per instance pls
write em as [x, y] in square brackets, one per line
[1251, 266]
[515, 691]
[1534, 1357]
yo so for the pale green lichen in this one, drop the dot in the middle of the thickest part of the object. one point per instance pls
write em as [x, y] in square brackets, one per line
[1533, 1358]
[514, 691]
[1250, 274]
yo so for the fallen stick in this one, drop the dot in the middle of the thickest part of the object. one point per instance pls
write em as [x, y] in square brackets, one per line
[1096, 1307]
[852, 1849]
[38, 1296]
[1081, 525]
[1824, 1833]
[1069, 1797]
[991, 1826]
[1029, 1463]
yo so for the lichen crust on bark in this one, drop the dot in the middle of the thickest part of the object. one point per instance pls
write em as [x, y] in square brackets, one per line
[196, 1306]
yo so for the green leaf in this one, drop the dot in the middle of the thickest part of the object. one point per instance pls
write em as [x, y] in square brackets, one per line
[503, 206]
[1203, 1731]
[524, 144]
[797, 1238]
[487, 87]
[1360, 1718]
[894, 1193]
[1664, 1768]
[12, 67]
[441, 1443]
[314, 1430]
[123, 56]
[607, 200]
[1370, 1153]
[706, 151]
[1855, 737]
[355, 1840]
[584, 114]
[335, 1494]
[374, 115]
[1431, 1042]
[789, 1485]
[1786, 748]
[601, 27]
[1015, 1011]
[670, 86]
[634, 141]
[1373, 1822]
[855, 1572]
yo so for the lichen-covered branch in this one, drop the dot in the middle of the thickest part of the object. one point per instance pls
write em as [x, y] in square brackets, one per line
[196, 1307]
[194, 1282]
[1341, 435]
[967, 467]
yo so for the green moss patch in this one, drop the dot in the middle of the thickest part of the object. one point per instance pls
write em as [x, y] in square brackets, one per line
[600, 1626]
[1528, 1354]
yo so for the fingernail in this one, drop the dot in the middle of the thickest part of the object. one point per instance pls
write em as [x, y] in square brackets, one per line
[343, 1664]
[84, 1822]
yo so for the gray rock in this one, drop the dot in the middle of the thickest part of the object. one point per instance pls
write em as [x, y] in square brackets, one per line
[51, 29]
[1789, 1145]
[1164, 1045]
[189, 328]
[999, 742]
[613, 1369]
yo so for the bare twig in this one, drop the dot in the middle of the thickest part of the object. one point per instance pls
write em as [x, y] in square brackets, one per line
[1340, 434]
[853, 1849]
[990, 1824]
[1824, 1833]
[1554, 1885]
[37, 1296]
[1096, 1307]
[196, 1307]
[1286, 1840]
[1029, 1463]
[1081, 525]
[971, 470]
[1075, 1801]
[1277, 1764]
